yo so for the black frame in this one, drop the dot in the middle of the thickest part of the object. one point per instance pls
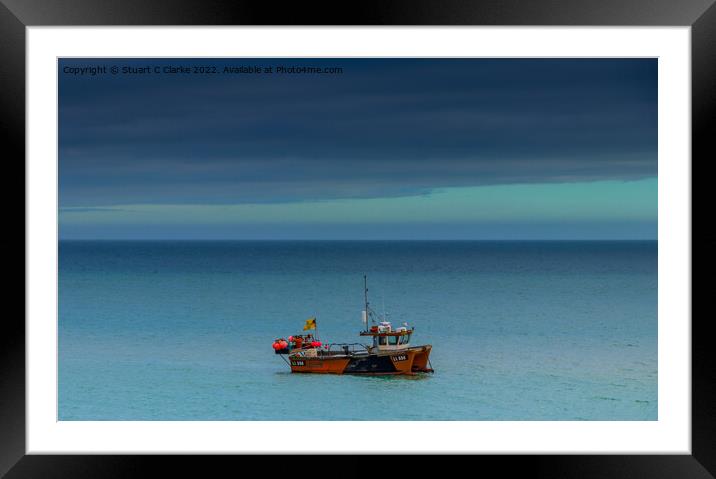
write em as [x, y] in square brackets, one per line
[15, 15]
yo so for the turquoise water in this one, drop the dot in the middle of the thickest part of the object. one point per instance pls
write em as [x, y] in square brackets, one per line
[520, 330]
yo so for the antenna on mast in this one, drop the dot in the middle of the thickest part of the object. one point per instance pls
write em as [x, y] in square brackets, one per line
[365, 296]
[385, 315]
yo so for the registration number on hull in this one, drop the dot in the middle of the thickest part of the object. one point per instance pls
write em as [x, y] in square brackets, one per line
[400, 357]
[298, 363]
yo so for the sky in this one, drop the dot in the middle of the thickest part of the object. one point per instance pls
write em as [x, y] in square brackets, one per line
[366, 149]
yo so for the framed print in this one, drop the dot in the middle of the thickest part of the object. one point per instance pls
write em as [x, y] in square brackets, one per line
[421, 229]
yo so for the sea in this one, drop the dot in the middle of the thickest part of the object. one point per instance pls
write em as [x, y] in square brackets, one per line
[520, 330]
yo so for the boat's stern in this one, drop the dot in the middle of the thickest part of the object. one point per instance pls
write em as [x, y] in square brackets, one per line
[421, 360]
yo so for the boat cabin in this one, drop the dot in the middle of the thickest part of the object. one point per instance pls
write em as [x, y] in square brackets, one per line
[387, 339]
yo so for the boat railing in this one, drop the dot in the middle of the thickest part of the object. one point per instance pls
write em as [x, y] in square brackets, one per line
[346, 348]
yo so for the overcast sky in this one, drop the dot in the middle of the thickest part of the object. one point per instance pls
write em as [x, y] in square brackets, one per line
[387, 149]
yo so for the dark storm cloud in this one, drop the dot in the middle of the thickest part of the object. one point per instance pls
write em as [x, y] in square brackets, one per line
[381, 128]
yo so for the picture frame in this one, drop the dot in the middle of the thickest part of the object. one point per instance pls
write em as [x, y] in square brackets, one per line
[700, 15]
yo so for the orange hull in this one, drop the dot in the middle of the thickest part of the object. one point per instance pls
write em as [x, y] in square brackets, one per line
[406, 361]
[319, 365]
[421, 361]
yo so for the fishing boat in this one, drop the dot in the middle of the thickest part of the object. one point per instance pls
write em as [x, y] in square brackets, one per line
[390, 352]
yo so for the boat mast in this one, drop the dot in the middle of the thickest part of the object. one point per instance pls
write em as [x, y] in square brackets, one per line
[365, 295]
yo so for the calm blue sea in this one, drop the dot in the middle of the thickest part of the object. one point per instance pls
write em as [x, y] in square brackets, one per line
[182, 330]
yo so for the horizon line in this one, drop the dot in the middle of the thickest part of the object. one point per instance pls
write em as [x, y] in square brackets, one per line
[364, 239]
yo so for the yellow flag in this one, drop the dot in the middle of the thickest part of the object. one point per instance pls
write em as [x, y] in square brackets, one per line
[310, 324]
